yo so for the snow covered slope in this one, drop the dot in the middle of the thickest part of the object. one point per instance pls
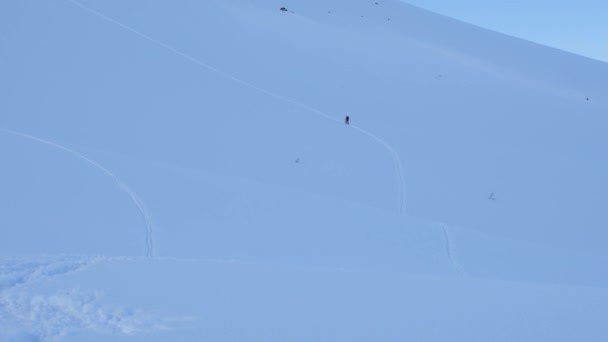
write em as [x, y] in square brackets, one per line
[181, 171]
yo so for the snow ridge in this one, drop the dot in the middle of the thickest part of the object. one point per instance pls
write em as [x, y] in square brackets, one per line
[134, 198]
[394, 155]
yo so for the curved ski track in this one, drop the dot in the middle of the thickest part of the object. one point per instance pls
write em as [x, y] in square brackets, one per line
[449, 254]
[391, 150]
[121, 185]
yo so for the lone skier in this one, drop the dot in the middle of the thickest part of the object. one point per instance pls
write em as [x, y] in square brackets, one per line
[347, 120]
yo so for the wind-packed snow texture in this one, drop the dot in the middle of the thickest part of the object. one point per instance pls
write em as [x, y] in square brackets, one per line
[181, 170]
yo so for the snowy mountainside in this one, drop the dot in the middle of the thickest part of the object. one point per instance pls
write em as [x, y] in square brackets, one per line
[182, 171]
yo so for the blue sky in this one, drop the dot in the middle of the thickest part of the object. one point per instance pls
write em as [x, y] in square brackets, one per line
[576, 26]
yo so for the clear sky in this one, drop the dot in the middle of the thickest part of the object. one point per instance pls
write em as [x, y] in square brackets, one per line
[578, 26]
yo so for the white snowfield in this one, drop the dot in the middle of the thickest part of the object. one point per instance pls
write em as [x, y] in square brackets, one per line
[181, 171]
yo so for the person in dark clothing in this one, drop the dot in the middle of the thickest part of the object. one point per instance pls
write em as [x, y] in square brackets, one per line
[347, 120]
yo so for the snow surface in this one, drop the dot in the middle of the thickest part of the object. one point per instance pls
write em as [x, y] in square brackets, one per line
[181, 171]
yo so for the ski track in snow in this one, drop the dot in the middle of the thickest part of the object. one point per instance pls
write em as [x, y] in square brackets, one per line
[134, 198]
[449, 254]
[398, 165]
[393, 153]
